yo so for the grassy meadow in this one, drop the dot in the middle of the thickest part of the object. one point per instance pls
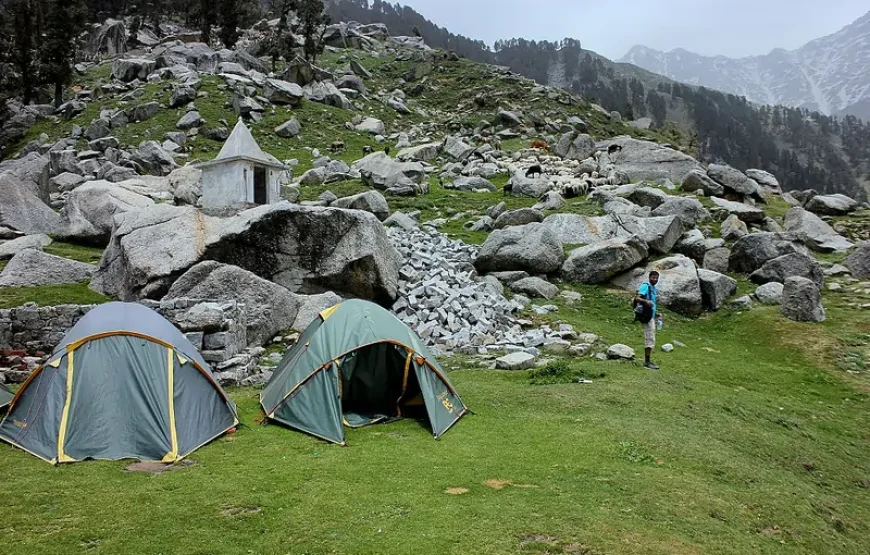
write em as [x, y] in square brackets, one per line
[751, 439]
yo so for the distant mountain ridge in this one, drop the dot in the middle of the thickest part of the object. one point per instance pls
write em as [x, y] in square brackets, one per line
[830, 75]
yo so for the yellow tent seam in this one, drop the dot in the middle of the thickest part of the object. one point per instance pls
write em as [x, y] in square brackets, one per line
[64, 419]
[172, 455]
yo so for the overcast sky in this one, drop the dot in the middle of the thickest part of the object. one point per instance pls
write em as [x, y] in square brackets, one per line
[732, 28]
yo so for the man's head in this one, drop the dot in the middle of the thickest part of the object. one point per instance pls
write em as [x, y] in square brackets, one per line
[653, 277]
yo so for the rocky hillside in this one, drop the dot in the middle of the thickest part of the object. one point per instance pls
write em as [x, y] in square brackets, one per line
[830, 75]
[806, 149]
[471, 200]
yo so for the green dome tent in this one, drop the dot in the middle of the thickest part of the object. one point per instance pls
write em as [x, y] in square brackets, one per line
[355, 365]
[123, 383]
[5, 396]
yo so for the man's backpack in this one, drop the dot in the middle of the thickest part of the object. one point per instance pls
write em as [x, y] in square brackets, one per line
[642, 312]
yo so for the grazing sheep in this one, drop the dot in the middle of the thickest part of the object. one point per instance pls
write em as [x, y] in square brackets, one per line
[536, 169]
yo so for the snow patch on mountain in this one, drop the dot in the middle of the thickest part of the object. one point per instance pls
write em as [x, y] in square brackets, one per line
[830, 74]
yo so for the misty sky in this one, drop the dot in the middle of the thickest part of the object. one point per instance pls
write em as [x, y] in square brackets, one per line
[732, 28]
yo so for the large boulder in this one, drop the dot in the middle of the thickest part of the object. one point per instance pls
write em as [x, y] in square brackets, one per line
[371, 125]
[520, 216]
[551, 200]
[108, 38]
[648, 196]
[189, 121]
[716, 288]
[328, 94]
[302, 72]
[21, 209]
[660, 234]
[380, 171]
[575, 146]
[802, 301]
[535, 287]
[831, 205]
[352, 82]
[689, 210]
[132, 68]
[770, 294]
[750, 253]
[733, 228]
[143, 112]
[32, 170]
[768, 182]
[90, 209]
[471, 183]
[717, 259]
[197, 54]
[186, 185]
[282, 92]
[369, 201]
[733, 179]
[817, 234]
[747, 213]
[694, 245]
[698, 180]
[645, 160]
[532, 247]
[32, 267]
[859, 261]
[423, 153]
[269, 307]
[289, 128]
[573, 229]
[305, 249]
[181, 95]
[154, 158]
[311, 307]
[679, 287]
[521, 186]
[457, 149]
[783, 267]
[10, 248]
[600, 261]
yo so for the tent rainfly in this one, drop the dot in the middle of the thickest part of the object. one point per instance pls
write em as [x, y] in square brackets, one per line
[123, 383]
[5, 396]
[357, 364]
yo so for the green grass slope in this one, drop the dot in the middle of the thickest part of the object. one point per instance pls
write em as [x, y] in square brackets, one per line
[747, 441]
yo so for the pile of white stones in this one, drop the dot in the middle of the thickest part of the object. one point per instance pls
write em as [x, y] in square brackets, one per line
[440, 299]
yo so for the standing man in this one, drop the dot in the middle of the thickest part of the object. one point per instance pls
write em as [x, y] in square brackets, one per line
[647, 295]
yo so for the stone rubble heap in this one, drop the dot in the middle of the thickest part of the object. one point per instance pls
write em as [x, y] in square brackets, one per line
[442, 302]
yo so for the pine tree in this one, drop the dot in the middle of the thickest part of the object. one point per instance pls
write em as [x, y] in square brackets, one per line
[207, 17]
[25, 22]
[229, 14]
[312, 22]
[63, 21]
[282, 41]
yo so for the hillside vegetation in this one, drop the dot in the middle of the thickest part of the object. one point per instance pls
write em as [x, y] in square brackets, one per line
[806, 150]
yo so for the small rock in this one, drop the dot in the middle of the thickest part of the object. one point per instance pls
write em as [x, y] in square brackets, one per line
[620, 352]
[515, 361]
